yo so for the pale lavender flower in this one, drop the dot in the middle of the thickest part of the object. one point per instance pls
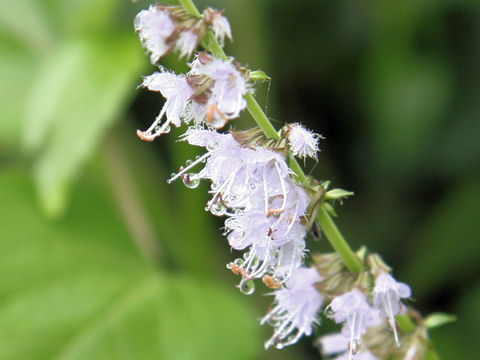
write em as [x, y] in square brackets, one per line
[221, 28]
[177, 93]
[289, 257]
[295, 309]
[332, 344]
[387, 295]
[353, 310]
[226, 100]
[187, 43]
[303, 142]
[264, 208]
[279, 261]
[155, 26]
[220, 25]
[337, 344]
[257, 225]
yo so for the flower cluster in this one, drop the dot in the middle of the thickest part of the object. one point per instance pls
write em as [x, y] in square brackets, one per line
[211, 94]
[268, 211]
[264, 208]
[163, 29]
[296, 308]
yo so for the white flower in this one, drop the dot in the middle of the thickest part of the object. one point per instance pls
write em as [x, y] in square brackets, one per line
[333, 344]
[387, 295]
[177, 93]
[296, 308]
[220, 25]
[264, 208]
[155, 26]
[187, 43]
[353, 310]
[303, 142]
[226, 100]
[221, 28]
[337, 344]
[221, 87]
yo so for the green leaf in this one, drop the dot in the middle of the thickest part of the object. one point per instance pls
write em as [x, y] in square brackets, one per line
[336, 194]
[258, 75]
[26, 20]
[73, 17]
[330, 209]
[439, 319]
[81, 89]
[47, 93]
[18, 66]
[78, 289]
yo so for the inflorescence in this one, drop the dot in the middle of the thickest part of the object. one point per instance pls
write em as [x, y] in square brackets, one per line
[269, 212]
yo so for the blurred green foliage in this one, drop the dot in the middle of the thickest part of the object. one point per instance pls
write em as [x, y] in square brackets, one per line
[79, 289]
[100, 259]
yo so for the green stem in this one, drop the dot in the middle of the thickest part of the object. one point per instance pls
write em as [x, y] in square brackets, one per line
[190, 7]
[295, 166]
[351, 261]
[260, 117]
[329, 228]
[214, 47]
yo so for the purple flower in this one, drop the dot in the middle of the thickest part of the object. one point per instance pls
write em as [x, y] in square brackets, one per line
[387, 295]
[303, 142]
[295, 309]
[177, 93]
[155, 26]
[353, 310]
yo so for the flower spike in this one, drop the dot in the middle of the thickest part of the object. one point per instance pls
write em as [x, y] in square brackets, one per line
[269, 205]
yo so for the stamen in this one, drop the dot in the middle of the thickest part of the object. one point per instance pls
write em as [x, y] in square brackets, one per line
[271, 282]
[283, 208]
[284, 188]
[387, 303]
[265, 191]
[230, 181]
[249, 259]
[236, 268]
[292, 221]
[154, 131]
[213, 120]
[280, 257]
[269, 315]
[271, 212]
[292, 265]
[219, 191]
[354, 341]
[281, 328]
[261, 270]
[187, 168]
[143, 136]
[291, 340]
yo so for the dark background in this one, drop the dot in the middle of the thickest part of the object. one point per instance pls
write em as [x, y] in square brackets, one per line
[100, 259]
